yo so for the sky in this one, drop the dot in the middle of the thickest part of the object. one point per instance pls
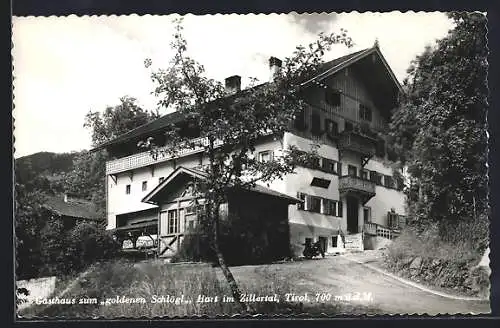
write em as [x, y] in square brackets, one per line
[65, 67]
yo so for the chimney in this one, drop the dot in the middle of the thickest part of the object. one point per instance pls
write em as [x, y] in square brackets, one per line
[233, 84]
[274, 67]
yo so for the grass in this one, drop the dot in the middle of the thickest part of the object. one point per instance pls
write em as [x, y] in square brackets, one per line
[449, 257]
[142, 281]
[459, 243]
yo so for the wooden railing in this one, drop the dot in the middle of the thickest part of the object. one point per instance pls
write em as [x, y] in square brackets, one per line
[146, 158]
[375, 229]
[352, 183]
[356, 141]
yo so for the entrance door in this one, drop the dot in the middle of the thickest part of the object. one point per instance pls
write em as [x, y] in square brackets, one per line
[352, 214]
[323, 243]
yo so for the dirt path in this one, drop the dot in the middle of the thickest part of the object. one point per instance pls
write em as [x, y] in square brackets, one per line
[339, 276]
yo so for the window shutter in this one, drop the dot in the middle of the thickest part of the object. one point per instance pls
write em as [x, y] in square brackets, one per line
[307, 204]
[324, 206]
[339, 168]
[339, 208]
[301, 205]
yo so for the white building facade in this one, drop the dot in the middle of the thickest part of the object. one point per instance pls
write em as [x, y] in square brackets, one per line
[352, 192]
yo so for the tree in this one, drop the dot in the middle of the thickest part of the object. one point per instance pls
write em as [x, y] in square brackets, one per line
[230, 125]
[440, 127]
[29, 220]
[87, 179]
[117, 120]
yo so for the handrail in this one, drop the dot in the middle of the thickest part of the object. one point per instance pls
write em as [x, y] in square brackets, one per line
[376, 229]
[145, 158]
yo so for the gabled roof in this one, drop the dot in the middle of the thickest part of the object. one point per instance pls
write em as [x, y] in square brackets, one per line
[327, 69]
[152, 197]
[74, 208]
[338, 64]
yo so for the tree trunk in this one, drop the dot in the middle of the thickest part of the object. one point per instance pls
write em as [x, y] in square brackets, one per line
[222, 263]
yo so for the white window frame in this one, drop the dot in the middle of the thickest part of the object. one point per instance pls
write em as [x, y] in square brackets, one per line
[264, 153]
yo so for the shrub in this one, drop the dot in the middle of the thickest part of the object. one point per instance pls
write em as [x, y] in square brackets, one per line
[88, 242]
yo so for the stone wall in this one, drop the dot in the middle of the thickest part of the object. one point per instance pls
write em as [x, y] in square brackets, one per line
[464, 277]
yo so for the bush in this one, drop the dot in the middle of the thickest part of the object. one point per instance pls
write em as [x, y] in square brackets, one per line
[64, 251]
[89, 242]
[444, 257]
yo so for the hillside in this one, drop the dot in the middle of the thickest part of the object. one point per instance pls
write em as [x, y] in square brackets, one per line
[44, 168]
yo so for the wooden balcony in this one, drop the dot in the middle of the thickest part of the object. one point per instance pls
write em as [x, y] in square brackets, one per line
[374, 229]
[145, 158]
[358, 142]
[355, 185]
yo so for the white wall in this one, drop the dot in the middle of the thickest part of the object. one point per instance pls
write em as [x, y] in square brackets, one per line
[118, 202]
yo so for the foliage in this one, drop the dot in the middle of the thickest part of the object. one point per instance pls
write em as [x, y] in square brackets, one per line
[230, 124]
[70, 250]
[87, 179]
[89, 241]
[29, 221]
[440, 129]
[117, 120]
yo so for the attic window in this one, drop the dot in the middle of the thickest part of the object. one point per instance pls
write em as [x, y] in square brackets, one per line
[365, 113]
[315, 123]
[322, 183]
[332, 98]
[300, 122]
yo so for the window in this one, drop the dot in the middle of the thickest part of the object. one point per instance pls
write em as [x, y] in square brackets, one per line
[315, 123]
[160, 180]
[388, 181]
[365, 174]
[332, 207]
[320, 205]
[367, 214]
[173, 222]
[127, 189]
[326, 206]
[322, 183]
[329, 165]
[376, 177]
[331, 127]
[315, 205]
[392, 220]
[265, 156]
[380, 151]
[300, 122]
[352, 171]
[332, 97]
[365, 113]
[348, 126]
[144, 185]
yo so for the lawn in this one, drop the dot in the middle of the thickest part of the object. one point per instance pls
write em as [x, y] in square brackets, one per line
[156, 289]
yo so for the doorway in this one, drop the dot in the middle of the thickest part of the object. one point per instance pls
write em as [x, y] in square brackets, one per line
[323, 243]
[352, 214]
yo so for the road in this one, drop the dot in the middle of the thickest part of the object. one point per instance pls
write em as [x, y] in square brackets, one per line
[340, 276]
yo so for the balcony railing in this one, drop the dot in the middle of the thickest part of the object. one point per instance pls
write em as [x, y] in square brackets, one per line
[146, 158]
[352, 184]
[358, 142]
[374, 229]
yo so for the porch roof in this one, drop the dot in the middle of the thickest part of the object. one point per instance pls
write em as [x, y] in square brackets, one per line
[145, 226]
[186, 174]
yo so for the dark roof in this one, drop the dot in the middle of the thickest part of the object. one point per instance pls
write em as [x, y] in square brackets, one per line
[151, 127]
[326, 69]
[198, 173]
[75, 208]
[267, 191]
